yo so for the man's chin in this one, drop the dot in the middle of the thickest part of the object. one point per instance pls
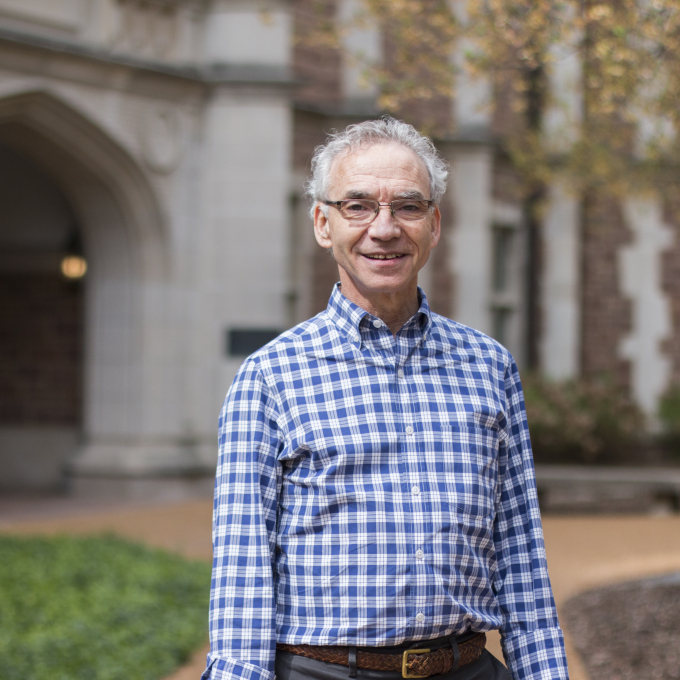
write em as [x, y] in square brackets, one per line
[384, 286]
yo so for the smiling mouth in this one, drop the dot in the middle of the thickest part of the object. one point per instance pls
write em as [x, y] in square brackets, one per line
[393, 256]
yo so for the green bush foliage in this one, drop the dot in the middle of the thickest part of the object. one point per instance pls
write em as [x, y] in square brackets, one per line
[669, 417]
[97, 608]
[581, 422]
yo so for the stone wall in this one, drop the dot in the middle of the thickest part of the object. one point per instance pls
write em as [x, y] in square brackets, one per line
[671, 280]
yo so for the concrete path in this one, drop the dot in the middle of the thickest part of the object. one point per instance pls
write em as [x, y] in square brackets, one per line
[583, 552]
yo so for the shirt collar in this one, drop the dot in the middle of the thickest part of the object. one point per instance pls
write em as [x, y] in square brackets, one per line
[347, 316]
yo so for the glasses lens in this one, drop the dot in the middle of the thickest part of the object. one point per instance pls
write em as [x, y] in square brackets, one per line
[358, 210]
[410, 210]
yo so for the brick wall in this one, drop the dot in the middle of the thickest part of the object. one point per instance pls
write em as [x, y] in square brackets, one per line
[40, 349]
[309, 130]
[316, 63]
[506, 184]
[606, 313]
[440, 296]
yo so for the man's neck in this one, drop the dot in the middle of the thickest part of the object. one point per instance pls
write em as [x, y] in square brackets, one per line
[393, 309]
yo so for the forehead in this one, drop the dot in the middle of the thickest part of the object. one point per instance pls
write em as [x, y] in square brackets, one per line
[379, 168]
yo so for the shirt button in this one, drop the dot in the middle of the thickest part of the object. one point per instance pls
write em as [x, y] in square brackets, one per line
[400, 373]
[420, 617]
[377, 323]
[409, 430]
[420, 554]
[415, 490]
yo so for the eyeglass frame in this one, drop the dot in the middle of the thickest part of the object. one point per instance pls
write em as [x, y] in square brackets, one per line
[337, 204]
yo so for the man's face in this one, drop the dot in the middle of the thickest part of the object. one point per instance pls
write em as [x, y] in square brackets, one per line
[383, 172]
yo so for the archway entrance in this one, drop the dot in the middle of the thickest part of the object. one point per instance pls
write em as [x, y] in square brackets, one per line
[119, 357]
[41, 328]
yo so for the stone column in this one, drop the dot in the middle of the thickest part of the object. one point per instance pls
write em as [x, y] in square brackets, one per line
[470, 192]
[640, 268]
[243, 230]
[561, 287]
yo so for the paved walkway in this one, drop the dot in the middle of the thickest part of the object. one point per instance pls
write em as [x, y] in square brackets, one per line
[583, 552]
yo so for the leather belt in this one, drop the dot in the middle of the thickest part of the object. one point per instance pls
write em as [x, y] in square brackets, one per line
[412, 663]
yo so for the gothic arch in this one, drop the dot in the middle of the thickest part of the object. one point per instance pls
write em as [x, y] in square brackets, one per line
[127, 248]
[80, 155]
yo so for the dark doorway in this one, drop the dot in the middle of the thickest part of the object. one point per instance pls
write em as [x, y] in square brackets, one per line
[41, 327]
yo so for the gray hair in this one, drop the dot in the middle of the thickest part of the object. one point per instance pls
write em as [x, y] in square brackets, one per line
[382, 131]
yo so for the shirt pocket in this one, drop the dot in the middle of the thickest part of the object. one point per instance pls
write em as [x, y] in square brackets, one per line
[467, 469]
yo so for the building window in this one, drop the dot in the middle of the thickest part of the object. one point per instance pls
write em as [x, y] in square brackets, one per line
[503, 238]
[501, 324]
[504, 285]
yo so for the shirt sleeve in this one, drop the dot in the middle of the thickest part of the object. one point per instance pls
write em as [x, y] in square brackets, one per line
[242, 597]
[531, 637]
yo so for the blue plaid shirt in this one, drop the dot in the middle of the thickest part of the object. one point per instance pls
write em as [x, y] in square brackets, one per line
[374, 489]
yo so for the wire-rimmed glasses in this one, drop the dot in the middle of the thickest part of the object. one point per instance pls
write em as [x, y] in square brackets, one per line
[363, 211]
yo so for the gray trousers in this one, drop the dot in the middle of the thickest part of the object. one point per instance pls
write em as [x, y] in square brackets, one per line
[294, 667]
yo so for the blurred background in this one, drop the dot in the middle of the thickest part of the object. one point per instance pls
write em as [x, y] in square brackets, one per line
[153, 228]
[154, 232]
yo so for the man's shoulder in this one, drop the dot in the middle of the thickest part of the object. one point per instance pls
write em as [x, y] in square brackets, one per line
[295, 342]
[453, 336]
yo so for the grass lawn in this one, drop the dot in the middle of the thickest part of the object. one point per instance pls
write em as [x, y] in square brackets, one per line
[97, 608]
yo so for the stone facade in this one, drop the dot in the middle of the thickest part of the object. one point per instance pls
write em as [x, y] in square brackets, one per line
[671, 279]
[160, 126]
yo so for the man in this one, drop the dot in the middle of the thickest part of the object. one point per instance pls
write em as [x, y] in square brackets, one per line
[375, 502]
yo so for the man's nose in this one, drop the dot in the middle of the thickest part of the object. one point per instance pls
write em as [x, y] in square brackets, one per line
[384, 226]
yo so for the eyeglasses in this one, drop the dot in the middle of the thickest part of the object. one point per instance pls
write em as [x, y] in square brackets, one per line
[363, 211]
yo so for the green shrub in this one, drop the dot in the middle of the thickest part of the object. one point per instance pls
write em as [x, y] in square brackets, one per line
[669, 417]
[97, 607]
[584, 421]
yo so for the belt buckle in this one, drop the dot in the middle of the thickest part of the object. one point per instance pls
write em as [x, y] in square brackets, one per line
[404, 667]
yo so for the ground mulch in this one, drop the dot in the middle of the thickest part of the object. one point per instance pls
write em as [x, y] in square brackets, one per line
[628, 631]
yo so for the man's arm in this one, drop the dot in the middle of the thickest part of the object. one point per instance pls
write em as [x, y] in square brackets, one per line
[531, 637]
[242, 598]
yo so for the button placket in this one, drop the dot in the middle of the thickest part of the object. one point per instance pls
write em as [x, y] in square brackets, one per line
[412, 446]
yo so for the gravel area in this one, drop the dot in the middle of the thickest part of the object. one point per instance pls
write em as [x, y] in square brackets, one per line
[628, 631]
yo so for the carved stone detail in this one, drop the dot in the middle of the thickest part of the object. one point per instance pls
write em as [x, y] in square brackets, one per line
[147, 27]
[162, 136]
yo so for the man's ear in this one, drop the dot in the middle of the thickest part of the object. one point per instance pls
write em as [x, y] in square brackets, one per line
[436, 226]
[321, 227]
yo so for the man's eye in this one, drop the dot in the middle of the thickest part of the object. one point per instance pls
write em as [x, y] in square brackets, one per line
[356, 207]
[410, 207]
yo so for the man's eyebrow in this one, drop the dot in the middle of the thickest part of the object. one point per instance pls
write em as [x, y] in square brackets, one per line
[357, 193]
[412, 193]
[408, 194]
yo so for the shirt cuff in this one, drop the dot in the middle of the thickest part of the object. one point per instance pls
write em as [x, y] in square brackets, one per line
[538, 655]
[230, 669]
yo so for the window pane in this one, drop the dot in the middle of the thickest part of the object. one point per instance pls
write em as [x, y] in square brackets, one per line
[501, 324]
[502, 253]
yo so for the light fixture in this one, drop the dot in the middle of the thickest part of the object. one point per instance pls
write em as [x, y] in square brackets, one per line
[73, 264]
[73, 267]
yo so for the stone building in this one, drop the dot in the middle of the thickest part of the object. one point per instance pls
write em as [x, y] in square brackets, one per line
[166, 143]
[156, 134]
